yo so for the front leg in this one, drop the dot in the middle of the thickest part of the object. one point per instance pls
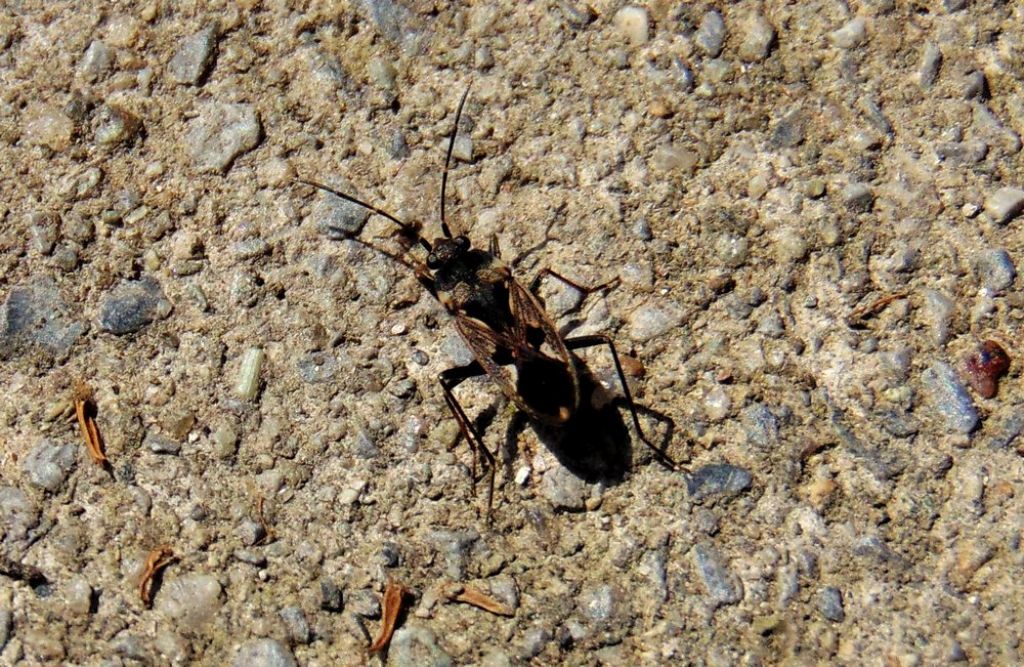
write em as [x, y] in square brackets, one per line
[450, 379]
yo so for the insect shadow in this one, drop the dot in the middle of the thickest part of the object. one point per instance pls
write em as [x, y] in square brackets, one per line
[514, 341]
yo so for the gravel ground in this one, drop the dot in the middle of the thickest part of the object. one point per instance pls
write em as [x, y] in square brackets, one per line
[815, 212]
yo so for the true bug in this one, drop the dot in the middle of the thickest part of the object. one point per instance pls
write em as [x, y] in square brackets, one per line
[513, 339]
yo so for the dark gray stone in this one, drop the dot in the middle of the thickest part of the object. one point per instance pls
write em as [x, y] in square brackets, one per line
[717, 479]
[338, 218]
[132, 305]
[330, 596]
[35, 317]
[830, 604]
[995, 269]
[760, 425]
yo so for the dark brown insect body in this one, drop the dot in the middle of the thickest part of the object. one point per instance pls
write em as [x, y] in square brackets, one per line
[513, 339]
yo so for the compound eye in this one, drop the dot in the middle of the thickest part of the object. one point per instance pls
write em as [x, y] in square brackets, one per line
[462, 242]
[432, 261]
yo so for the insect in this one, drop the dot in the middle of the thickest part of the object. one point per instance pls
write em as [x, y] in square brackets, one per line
[513, 339]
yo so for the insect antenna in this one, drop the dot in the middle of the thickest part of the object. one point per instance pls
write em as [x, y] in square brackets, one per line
[447, 161]
[407, 229]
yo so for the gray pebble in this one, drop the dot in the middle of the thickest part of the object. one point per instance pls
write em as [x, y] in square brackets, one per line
[851, 35]
[931, 61]
[337, 218]
[953, 5]
[398, 149]
[96, 60]
[221, 133]
[732, 251]
[598, 603]
[1005, 204]
[295, 624]
[758, 39]
[790, 130]
[363, 445]
[456, 350]
[1008, 429]
[995, 269]
[717, 479]
[363, 603]
[974, 85]
[190, 600]
[6, 624]
[250, 248]
[962, 152]
[938, 311]
[330, 596]
[250, 557]
[723, 587]
[415, 646]
[192, 57]
[78, 596]
[161, 444]
[132, 305]
[455, 547]
[35, 315]
[642, 229]
[116, 125]
[263, 653]
[132, 647]
[949, 398]
[858, 197]
[710, 35]
[18, 514]
[830, 604]
[534, 641]
[250, 532]
[48, 464]
[43, 229]
[653, 319]
[564, 490]
[760, 425]
[496, 658]
[317, 367]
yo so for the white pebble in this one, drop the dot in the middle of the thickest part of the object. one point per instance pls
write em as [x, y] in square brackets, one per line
[634, 23]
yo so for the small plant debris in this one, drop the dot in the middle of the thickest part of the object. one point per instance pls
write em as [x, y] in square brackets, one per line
[85, 412]
[394, 598]
[472, 596]
[156, 560]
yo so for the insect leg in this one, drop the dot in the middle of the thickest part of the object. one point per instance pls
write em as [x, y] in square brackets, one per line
[450, 379]
[495, 249]
[581, 342]
[614, 282]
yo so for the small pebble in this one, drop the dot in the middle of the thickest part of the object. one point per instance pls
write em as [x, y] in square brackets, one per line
[336, 217]
[248, 384]
[653, 320]
[455, 547]
[192, 57]
[330, 596]
[985, 366]
[1005, 204]
[220, 134]
[96, 60]
[938, 311]
[858, 197]
[716, 480]
[850, 35]
[159, 444]
[47, 125]
[830, 604]
[132, 305]
[931, 61]
[534, 641]
[634, 23]
[415, 646]
[760, 425]
[295, 624]
[263, 653]
[995, 269]
[190, 600]
[722, 586]
[710, 36]
[35, 316]
[975, 86]
[598, 603]
[48, 464]
[949, 398]
[717, 403]
[758, 39]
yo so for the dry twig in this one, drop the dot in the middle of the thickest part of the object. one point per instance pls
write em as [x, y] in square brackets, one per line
[394, 597]
[85, 411]
[155, 561]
